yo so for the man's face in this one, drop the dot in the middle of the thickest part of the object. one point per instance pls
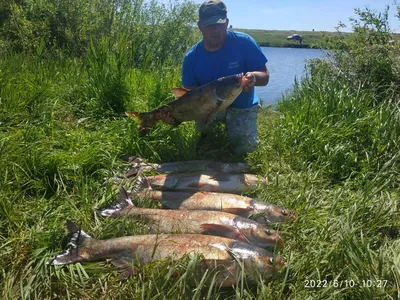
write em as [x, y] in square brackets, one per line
[214, 35]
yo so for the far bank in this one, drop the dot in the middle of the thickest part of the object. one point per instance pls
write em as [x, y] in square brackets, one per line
[278, 38]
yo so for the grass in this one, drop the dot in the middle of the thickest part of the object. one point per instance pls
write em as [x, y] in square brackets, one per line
[331, 155]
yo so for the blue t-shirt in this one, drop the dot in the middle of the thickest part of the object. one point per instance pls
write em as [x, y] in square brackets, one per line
[240, 53]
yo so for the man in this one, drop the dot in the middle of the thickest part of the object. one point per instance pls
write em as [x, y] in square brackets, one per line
[220, 53]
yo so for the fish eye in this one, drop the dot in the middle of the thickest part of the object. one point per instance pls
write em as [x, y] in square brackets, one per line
[284, 212]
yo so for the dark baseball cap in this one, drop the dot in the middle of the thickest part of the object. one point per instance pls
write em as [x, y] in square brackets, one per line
[212, 12]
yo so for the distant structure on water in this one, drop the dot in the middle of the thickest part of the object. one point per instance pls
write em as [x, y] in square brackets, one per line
[296, 37]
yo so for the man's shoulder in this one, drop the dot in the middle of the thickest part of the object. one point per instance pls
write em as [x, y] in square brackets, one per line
[193, 50]
[240, 36]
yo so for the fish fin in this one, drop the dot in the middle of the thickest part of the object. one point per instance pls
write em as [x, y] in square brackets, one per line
[207, 118]
[132, 114]
[72, 255]
[142, 183]
[135, 160]
[222, 230]
[237, 210]
[125, 268]
[179, 92]
[138, 183]
[131, 172]
[136, 165]
[124, 202]
[224, 247]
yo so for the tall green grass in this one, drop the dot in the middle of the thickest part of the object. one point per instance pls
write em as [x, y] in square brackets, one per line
[56, 154]
[342, 130]
[330, 151]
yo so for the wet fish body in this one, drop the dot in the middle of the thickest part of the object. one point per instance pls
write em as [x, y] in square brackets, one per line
[131, 251]
[207, 181]
[236, 204]
[197, 104]
[196, 221]
[137, 164]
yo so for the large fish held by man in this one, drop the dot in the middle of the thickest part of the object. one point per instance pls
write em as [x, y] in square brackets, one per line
[232, 259]
[198, 104]
[196, 221]
[231, 203]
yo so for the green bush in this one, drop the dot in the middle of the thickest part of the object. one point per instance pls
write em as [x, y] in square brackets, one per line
[71, 26]
[344, 118]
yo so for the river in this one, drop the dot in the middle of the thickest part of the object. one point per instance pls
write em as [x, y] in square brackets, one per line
[284, 64]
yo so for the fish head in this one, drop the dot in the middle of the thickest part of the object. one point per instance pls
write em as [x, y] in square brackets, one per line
[256, 261]
[276, 262]
[264, 263]
[230, 87]
[268, 264]
[265, 237]
[269, 213]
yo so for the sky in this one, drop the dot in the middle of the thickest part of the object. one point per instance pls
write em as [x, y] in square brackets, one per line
[301, 15]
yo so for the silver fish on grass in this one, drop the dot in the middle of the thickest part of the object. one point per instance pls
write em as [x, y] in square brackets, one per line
[196, 221]
[232, 259]
[239, 205]
[138, 165]
[208, 181]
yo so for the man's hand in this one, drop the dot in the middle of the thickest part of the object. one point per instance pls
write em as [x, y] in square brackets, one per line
[252, 81]
[257, 78]
[166, 116]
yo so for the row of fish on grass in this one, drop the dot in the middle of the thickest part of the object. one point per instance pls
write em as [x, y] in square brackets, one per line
[203, 214]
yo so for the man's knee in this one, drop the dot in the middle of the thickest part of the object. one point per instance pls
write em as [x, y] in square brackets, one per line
[246, 144]
[242, 129]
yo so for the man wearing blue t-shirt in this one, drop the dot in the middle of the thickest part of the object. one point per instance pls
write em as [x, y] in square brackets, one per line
[220, 53]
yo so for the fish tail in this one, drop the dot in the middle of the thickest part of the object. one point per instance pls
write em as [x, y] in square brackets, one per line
[140, 184]
[136, 164]
[72, 255]
[146, 121]
[115, 210]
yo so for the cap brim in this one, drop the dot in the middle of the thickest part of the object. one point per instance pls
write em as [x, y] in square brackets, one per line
[213, 20]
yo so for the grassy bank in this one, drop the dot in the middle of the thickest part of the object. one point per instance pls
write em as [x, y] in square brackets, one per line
[311, 39]
[278, 38]
[330, 151]
[339, 174]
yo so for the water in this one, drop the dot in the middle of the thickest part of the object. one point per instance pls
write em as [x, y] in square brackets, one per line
[284, 65]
